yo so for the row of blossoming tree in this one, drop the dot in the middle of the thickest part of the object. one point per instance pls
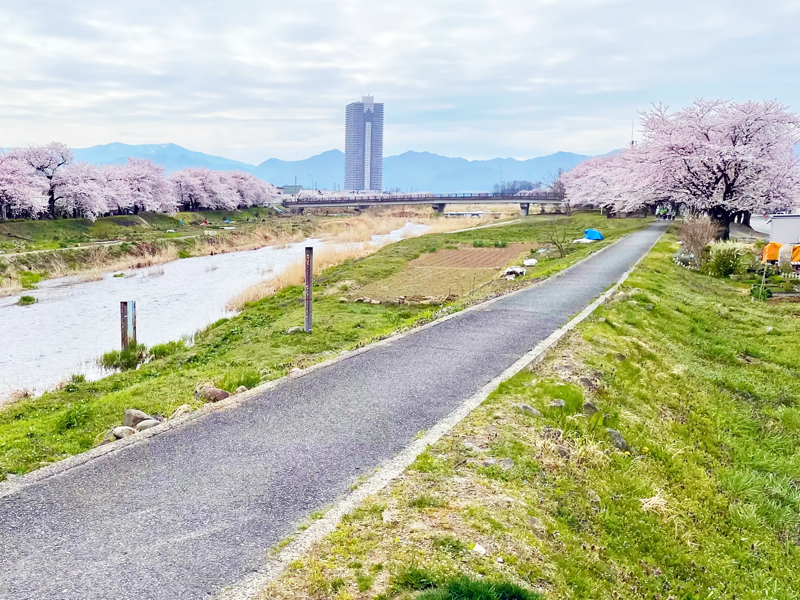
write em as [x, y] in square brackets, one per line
[46, 182]
[719, 158]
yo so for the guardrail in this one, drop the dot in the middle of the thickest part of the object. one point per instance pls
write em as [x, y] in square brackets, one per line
[356, 199]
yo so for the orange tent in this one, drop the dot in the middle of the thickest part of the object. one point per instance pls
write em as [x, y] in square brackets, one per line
[795, 254]
[770, 251]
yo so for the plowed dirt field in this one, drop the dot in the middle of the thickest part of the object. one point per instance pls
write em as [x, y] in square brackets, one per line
[445, 273]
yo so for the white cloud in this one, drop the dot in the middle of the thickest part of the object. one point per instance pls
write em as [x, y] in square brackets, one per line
[474, 78]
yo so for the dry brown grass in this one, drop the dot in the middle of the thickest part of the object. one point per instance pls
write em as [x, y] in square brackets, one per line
[294, 274]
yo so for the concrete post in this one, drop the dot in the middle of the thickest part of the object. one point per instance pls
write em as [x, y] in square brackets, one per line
[524, 209]
[439, 208]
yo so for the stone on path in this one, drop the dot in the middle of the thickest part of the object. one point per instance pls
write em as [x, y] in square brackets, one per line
[241, 389]
[213, 394]
[122, 432]
[147, 424]
[133, 417]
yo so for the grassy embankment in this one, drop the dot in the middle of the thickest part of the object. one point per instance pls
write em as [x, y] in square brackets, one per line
[705, 504]
[36, 250]
[253, 347]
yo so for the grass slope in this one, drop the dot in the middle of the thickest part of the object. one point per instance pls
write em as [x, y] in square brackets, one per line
[250, 348]
[705, 502]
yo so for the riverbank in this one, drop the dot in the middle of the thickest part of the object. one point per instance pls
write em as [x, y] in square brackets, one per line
[39, 250]
[695, 497]
[255, 346]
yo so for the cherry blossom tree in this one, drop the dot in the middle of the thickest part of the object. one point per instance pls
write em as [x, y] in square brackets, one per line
[79, 191]
[46, 161]
[147, 187]
[20, 194]
[202, 189]
[251, 190]
[713, 157]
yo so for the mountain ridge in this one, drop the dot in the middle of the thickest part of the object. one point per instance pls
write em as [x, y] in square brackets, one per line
[411, 170]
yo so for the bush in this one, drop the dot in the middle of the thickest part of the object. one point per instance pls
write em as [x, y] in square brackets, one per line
[184, 254]
[500, 243]
[124, 360]
[478, 244]
[26, 300]
[696, 233]
[726, 258]
[760, 293]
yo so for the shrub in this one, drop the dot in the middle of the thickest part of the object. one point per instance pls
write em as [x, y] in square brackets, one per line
[184, 254]
[124, 360]
[26, 300]
[726, 258]
[696, 233]
[478, 243]
[500, 243]
[760, 293]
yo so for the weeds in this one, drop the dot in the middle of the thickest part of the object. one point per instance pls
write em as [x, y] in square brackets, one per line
[124, 360]
[26, 300]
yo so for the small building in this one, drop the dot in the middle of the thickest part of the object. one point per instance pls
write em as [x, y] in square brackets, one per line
[784, 229]
[290, 190]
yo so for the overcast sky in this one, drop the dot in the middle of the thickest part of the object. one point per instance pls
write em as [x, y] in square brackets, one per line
[253, 79]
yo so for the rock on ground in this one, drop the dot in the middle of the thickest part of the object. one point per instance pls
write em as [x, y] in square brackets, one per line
[241, 389]
[133, 417]
[526, 408]
[618, 440]
[122, 432]
[212, 394]
[147, 424]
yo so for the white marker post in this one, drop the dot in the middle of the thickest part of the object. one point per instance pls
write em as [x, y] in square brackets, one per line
[309, 281]
[127, 313]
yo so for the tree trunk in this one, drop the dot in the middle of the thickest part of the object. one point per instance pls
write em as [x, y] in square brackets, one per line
[746, 219]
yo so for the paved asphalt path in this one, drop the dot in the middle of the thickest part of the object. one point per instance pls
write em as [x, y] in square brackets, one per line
[192, 510]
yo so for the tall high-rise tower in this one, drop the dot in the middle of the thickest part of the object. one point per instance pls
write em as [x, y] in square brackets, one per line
[363, 145]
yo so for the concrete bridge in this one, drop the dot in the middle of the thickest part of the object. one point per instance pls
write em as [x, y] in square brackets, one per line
[438, 201]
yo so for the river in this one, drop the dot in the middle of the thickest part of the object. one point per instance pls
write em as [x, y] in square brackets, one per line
[74, 322]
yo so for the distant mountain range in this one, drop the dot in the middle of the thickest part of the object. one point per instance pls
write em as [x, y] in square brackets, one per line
[420, 171]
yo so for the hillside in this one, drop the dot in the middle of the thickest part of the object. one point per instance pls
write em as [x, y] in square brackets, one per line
[422, 171]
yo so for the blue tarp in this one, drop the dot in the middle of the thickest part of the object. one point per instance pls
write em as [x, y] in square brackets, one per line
[592, 234]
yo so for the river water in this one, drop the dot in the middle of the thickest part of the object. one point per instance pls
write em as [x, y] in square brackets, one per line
[74, 322]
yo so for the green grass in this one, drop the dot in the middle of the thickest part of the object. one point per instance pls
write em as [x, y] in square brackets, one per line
[706, 504]
[244, 350]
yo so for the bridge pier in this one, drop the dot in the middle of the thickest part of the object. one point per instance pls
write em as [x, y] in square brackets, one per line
[439, 208]
[524, 209]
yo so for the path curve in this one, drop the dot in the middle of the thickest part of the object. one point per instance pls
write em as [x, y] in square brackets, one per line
[188, 512]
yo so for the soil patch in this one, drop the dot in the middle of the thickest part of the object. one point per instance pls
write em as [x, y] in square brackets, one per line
[473, 258]
[445, 273]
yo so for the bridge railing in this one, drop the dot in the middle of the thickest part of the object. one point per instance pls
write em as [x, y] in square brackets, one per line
[417, 198]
